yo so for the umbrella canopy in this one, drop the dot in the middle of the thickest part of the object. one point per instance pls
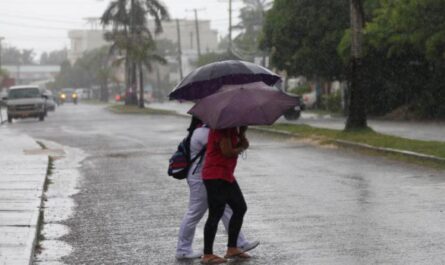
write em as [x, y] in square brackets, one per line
[209, 78]
[243, 106]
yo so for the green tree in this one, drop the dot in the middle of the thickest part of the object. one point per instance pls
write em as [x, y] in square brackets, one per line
[53, 57]
[404, 57]
[15, 56]
[416, 25]
[94, 68]
[215, 57]
[130, 34]
[302, 37]
[251, 26]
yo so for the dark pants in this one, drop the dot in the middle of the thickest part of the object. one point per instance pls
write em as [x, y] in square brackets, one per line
[220, 193]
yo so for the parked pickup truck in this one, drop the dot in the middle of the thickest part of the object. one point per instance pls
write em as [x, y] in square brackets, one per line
[25, 102]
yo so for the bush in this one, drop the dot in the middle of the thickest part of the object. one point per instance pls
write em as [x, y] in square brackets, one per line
[300, 90]
[331, 102]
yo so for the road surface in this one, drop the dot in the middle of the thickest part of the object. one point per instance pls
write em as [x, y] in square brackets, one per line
[306, 204]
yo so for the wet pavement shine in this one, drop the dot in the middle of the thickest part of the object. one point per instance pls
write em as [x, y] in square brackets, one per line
[306, 204]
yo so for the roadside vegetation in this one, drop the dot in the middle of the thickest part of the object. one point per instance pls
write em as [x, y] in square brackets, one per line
[366, 136]
[402, 53]
[94, 102]
[133, 109]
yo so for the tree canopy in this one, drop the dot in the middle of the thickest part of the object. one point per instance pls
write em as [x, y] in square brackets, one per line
[132, 38]
[12, 55]
[302, 36]
[403, 53]
[53, 57]
[251, 26]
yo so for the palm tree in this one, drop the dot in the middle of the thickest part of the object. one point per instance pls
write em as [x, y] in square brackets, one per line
[144, 55]
[130, 33]
[251, 24]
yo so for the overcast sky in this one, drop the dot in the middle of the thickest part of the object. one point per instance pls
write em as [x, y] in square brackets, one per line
[42, 25]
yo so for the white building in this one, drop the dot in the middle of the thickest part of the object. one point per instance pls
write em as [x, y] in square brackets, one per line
[208, 40]
[84, 40]
[208, 37]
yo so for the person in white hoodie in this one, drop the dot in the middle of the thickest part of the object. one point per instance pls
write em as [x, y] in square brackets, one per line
[198, 199]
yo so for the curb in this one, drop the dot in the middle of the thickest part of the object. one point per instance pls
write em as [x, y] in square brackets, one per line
[41, 217]
[344, 143]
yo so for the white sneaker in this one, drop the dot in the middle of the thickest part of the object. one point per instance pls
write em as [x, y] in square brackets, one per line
[193, 255]
[250, 246]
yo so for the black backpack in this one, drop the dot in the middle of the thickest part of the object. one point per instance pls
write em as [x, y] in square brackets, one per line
[180, 162]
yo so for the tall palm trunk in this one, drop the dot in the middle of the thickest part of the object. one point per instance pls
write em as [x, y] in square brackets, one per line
[104, 95]
[127, 80]
[141, 85]
[133, 100]
[357, 107]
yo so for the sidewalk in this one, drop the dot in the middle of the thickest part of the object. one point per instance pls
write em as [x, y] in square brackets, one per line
[425, 131]
[22, 176]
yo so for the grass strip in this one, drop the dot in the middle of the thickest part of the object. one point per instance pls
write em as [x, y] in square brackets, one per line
[41, 220]
[131, 109]
[366, 136]
[49, 172]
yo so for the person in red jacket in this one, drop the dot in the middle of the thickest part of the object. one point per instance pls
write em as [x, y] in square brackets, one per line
[223, 148]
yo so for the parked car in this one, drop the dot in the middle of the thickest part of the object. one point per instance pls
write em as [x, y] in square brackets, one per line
[3, 94]
[295, 112]
[68, 95]
[50, 103]
[25, 102]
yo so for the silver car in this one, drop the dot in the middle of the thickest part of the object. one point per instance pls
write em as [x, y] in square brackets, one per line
[25, 102]
[50, 103]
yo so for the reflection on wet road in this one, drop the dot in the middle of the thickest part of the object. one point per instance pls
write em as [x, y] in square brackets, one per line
[307, 205]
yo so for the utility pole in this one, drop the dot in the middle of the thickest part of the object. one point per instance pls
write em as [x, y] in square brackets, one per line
[230, 26]
[1, 38]
[133, 66]
[191, 39]
[198, 40]
[179, 49]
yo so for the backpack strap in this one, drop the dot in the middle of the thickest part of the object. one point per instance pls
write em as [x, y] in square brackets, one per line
[200, 155]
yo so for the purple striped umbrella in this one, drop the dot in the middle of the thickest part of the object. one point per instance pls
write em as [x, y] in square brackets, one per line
[243, 106]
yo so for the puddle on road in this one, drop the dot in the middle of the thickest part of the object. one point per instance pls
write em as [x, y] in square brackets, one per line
[59, 205]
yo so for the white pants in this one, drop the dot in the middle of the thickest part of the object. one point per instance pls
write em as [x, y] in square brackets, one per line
[196, 210]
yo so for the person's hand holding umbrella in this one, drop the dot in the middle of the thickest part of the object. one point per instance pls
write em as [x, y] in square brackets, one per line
[244, 143]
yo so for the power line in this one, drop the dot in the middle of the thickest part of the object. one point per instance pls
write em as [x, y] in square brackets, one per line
[40, 18]
[33, 26]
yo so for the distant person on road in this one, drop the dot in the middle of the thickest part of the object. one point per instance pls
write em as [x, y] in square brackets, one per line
[223, 149]
[198, 198]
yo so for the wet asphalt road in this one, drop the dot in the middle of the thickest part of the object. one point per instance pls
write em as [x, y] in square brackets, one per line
[307, 204]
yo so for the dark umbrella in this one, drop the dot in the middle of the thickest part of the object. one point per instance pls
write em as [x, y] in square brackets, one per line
[209, 78]
[243, 106]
